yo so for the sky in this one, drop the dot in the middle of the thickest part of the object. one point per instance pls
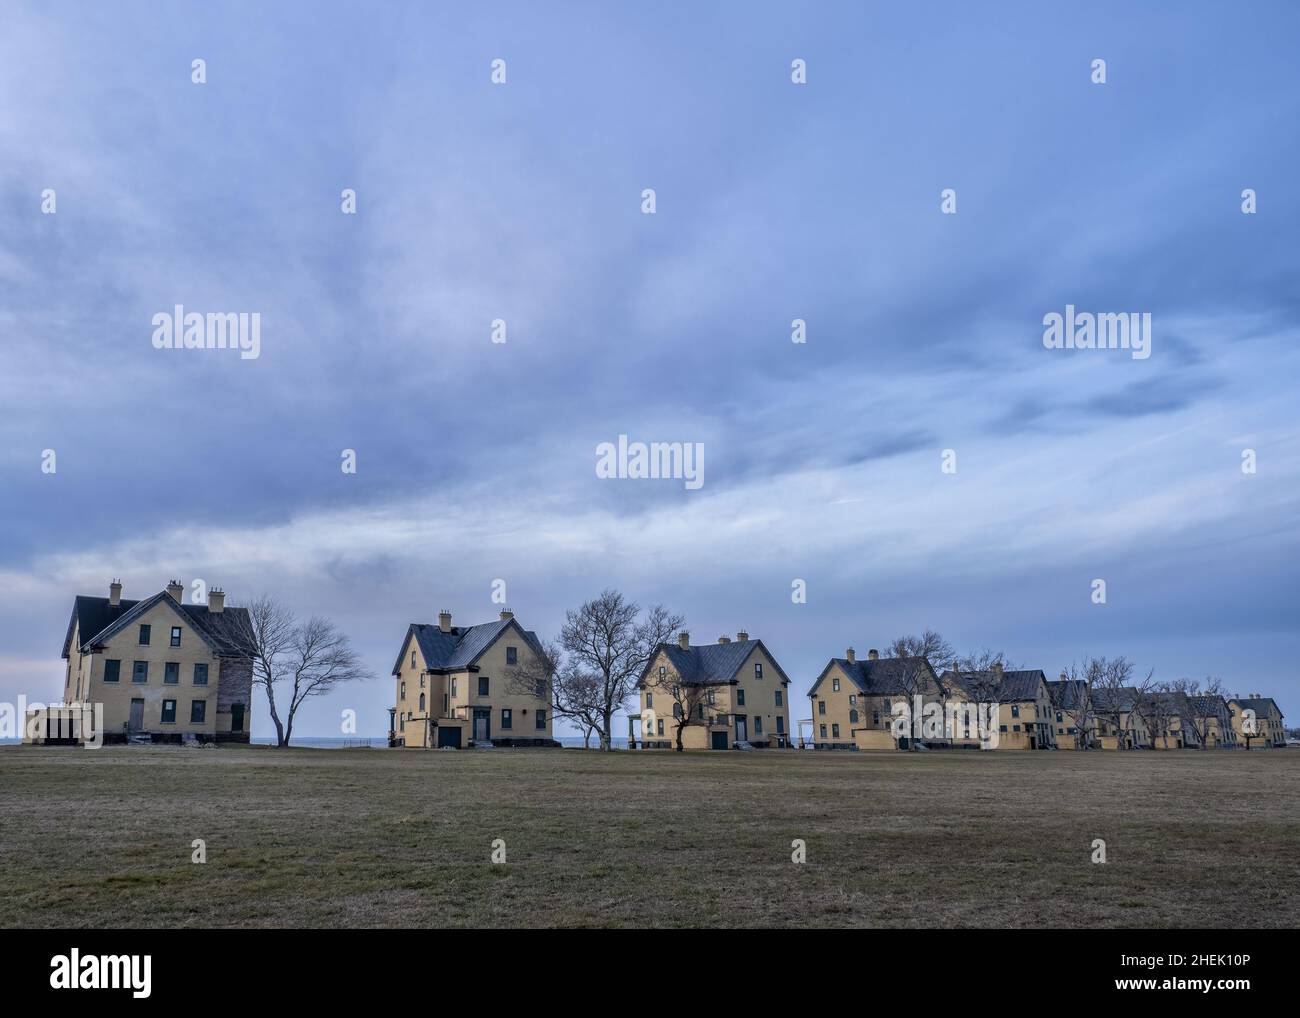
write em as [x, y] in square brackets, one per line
[522, 202]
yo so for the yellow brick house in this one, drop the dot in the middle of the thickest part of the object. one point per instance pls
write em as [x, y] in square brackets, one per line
[1023, 701]
[853, 700]
[162, 670]
[1072, 713]
[1258, 722]
[462, 686]
[718, 694]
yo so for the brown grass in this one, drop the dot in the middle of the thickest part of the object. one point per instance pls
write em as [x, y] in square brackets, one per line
[379, 838]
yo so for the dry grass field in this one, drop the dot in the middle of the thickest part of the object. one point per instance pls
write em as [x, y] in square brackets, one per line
[380, 838]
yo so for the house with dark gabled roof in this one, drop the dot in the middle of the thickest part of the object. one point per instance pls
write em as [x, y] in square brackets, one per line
[1258, 721]
[463, 686]
[1023, 700]
[161, 669]
[1213, 721]
[1119, 721]
[854, 701]
[1071, 713]
[712, 696]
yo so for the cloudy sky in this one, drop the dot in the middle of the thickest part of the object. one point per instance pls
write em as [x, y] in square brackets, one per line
[775, 201]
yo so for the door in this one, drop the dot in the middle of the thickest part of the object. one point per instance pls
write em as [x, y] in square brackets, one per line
[482, 719]
[719, 740]
[449, 736]
[236, 717]
[137, 715]
[741, 728]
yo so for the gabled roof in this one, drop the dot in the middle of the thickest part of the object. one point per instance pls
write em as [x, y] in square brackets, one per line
[1122, 699]
[1260, 705]
[711, 664]
[1015, 685]
[96, 621]
[1206, 705]
[1067, 694]
[461, 646]
[883, 676]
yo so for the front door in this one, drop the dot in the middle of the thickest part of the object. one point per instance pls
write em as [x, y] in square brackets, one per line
[741, 728]
[719, 740]
[137, 715]
[236, 717]
[482, 719]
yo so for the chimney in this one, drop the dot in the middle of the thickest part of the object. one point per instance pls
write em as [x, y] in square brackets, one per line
[1064, 676]
[997, 669]
[176, 590]
[684, 640]
[724, 639]
[851, 654]
[115, 593]
[506, 615]
[742, 636]
[873, 654]
[444, 620]
[216, 600]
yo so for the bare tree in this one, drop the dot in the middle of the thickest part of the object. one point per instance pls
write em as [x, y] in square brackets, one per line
[608, 639]
[691, 704]
[311, 658]
[1152, 704]
[1082, 710]
[927, 644]
[1203, 706]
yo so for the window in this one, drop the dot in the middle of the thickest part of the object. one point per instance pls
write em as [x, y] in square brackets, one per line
[401, 723]
[507, 718]
[453, 687]
[740, 697]
[677, 710]
[758, 669]
[649, 700]
[171, 673]
[1015, 713]
[482, 685]
[421, 703]
[779, 698]
[539, 689]
[144, 636]
[412, 659]
[821, 706]
[176, 636]
[853, 699]
[835, 731]
[112, 671]
[1002, 728]
[835, 684]
[823, 727]
[402, 694]
[659, 726]
[711, 699]
[198, 711]
[421, 681]
[444, 703]
[780, 725]
[512, 655]
[875, 717]
[853, 717]
[758, 724]
[541, 720]
[140, 671]
[1015, 728]
[169, 712]
[1058, 717]
[200, 675]
[663, 672]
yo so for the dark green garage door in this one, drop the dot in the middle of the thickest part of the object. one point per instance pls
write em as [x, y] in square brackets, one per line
[719, 740]
[449, 737]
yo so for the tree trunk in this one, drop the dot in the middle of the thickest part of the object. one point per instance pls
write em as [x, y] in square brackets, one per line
[275, 717]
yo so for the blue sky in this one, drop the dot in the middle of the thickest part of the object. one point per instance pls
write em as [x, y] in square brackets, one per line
[522, 202]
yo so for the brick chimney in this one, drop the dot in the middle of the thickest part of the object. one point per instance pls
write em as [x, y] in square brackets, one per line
[873, 654]
[997, 669]
[724, 639]
[1064, 676]
[506, 615]
[684, 640]
[444, 620]
[216, 600]
[742, 636]
[851, 654]
[115, 592]
[175, 589]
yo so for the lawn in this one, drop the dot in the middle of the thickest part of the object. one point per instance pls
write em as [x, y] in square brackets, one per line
[404, 838]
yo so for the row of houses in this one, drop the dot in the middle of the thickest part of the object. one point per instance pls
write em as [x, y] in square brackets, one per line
[167, 671]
